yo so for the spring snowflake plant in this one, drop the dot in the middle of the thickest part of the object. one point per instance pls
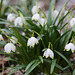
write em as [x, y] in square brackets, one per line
[44, 47]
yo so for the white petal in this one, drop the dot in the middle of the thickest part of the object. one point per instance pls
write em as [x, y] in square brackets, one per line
[13, 48]
[9, 47]
[36, 17]
[14, 40]
[11, 17]
[49, 53]
[18, 21]
[43, 21]
[72, 22]
[32, 41]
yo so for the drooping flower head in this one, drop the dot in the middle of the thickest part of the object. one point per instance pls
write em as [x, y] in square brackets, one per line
[36, 17]
[69, 47]
[11, 17]
[32, 41]
[14, 39]
[72, 22]
[19, 21]
[35, 9]
[1, 38]
[48, 53]
[9, 47]
[43, 21]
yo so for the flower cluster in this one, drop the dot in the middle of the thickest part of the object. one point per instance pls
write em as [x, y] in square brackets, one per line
[18, 21]
[37, 17]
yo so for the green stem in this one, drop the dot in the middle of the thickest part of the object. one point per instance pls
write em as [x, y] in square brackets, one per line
[40, 37]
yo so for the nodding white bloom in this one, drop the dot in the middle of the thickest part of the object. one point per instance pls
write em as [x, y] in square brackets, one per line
[36, 17]
[32, 41]
[43, 21]
[11, 17]
[35, 9]
[1, 38]
[9, 47]
[18, 21]
[54, 14]
[72, 22]
[23, 34]
[48, 53]
[70, 46]
[14, 40]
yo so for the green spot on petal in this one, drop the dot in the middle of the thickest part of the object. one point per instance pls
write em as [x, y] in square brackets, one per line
[67, 49]
[27, 44]
[33, 46]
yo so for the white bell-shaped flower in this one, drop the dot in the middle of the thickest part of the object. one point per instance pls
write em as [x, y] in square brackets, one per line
[9, 47]
[72, 22]
[43, 21]
[70, 46]
[19, 21]
[11, 17]
[36, 17]
[48, 53]
[32, 41]
[35, 9]
[1, 38]
[14, 40]
[54, 14]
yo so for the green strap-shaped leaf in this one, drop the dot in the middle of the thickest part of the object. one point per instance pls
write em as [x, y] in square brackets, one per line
[40, 57]
[13, 9]
[1, 6]
[52, 66]
[50, 11]
[17, 67]
[69, 63]
[32, 67]
[74, 72]
[30, 64]
[13, 72]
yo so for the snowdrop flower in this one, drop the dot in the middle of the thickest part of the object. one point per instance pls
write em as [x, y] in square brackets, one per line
[48, 53]
[32, 41]
[18, 21]
[43, 21]
[35, 9]
[11, 17]
[1, 38]
[9, 47]
[36, 17]
[55, 13]
[70, 46]
[72, 22]
[14, 40]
